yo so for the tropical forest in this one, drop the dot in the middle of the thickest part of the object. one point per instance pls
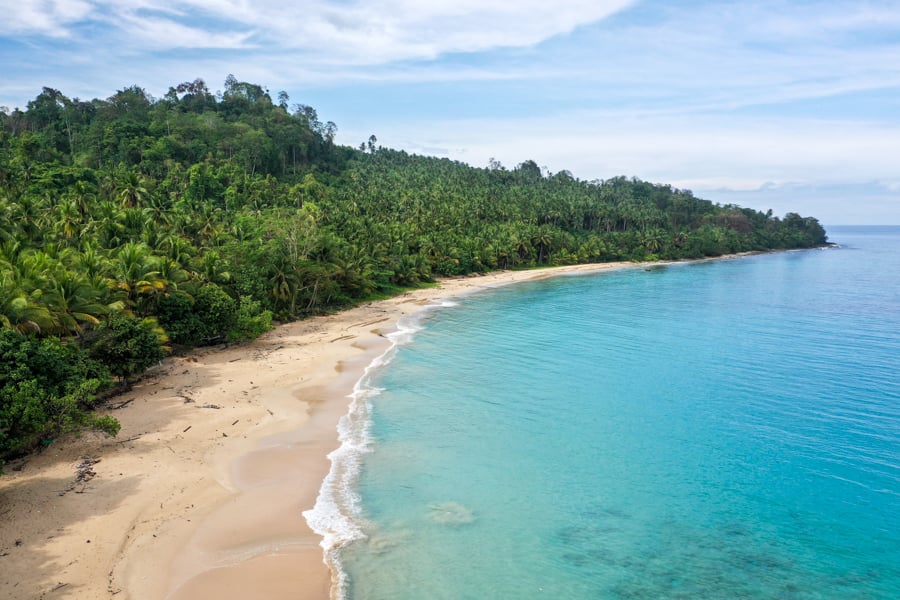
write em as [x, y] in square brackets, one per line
[135, 226]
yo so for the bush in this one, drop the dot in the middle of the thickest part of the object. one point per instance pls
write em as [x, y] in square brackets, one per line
[209, 316]
[176, 315]
[108, 425]
[251, 321]
[128, 345]
[46, 387]
[215, 310]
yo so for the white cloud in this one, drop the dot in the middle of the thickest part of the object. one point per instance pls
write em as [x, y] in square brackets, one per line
[162, 33]
[367, 32]
[42, 17]
[823, 21]
[359, 32]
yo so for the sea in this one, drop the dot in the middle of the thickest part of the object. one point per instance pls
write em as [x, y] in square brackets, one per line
[712, 429]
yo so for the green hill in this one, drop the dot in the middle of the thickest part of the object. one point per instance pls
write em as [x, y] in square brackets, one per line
[131, 223]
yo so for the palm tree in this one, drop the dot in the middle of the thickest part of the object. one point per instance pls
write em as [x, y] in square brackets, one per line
[7, 220]
[28, 215]
[172, 273]
[285, 286]
[83, 194]
[134, 221]
[542, 239]
[68, 220]
[652, 240]
[19, 311]
[136, 273]
[210, 268]
[177, 248]
[73, 300]
[159, 208]
[131, 190]
[109, 224]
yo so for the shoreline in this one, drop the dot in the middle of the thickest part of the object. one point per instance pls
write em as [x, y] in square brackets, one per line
[220, 452]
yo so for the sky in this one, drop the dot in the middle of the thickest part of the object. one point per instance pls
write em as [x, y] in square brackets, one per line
[791, 106]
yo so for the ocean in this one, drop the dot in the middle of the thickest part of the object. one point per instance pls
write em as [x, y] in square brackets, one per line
[717, 429]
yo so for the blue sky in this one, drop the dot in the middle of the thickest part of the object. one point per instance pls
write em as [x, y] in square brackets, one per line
[793, 106]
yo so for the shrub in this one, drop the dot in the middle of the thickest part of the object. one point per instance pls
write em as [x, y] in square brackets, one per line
[215, 310]
[176, 315]
[46, 388]
[210, 315]
[251, 321]
[128, 345]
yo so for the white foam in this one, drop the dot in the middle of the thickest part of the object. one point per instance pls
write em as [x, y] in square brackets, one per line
[337, 515]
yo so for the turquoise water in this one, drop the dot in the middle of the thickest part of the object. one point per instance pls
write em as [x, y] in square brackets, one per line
[727, 429]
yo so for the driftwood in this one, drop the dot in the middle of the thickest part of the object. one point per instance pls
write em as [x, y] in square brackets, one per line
[368, 323]
[122, 404]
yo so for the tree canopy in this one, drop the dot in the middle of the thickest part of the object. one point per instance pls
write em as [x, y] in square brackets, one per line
[198, 216]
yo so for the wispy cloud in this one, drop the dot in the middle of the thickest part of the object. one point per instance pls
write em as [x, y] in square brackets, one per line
[43, 17]
[356, 32]
[162, 33]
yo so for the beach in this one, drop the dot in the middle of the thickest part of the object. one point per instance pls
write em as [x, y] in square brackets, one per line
[220, 452]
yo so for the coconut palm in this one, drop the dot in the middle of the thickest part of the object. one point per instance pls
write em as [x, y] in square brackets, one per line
[136, 272]
[73, 299]
[108, 220]
[131, 190]
[211, 268]
[19, 311]
[176, 248]
[68, 220]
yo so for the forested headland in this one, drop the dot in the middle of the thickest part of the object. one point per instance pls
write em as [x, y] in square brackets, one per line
[134, 224]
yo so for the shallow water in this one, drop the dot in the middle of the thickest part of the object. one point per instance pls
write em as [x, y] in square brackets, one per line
[728, 429]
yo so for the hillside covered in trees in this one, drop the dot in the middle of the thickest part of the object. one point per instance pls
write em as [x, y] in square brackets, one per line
[131, 224]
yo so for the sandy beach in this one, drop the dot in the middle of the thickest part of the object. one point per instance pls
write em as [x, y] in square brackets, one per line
[201, 494]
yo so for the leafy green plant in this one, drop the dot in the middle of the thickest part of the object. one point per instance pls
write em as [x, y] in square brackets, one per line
[252, 321]
[128, 345]
[46, 388]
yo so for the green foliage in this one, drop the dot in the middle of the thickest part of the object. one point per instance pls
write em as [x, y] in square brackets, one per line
[45, 389]
[216, 310]
[118, 211]
[252, 321]
[128, 345]
[205, 318]
[177, 316]
[106, 424]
